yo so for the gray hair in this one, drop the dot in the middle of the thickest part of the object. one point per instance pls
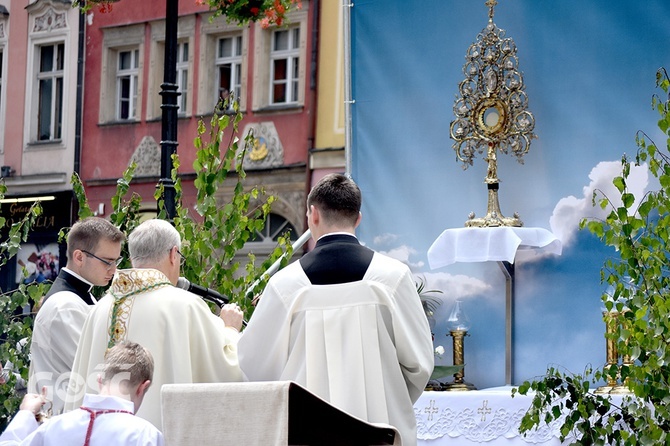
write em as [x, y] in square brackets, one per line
[151, 241]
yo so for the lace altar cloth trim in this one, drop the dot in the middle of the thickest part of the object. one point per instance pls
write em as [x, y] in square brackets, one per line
[478, 416]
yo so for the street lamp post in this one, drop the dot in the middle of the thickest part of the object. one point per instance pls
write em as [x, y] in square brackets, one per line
[169, 108]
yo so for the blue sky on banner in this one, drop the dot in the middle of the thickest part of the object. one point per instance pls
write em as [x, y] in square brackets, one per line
[589, 70]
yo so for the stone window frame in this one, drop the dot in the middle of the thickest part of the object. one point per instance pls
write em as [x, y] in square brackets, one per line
[263, 62]
[210, 33]
[47, 25]
[115, 40]
[185, 34]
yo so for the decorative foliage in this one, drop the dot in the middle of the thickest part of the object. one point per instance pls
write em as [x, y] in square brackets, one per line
[641, 297]
[429, 302]
[212, 239]
[267, 12]
[14, 324]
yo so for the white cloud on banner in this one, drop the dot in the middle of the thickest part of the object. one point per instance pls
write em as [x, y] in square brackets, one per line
[385, 239]
[454, 286]
[569, 211]
[403, 253]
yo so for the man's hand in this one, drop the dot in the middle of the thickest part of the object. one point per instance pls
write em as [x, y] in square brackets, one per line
[32, 402]
[232, 316]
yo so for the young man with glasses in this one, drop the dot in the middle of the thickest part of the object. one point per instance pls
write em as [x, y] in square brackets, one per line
[93, 252]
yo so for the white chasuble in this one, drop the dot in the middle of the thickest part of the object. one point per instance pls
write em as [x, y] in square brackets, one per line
[188, 342]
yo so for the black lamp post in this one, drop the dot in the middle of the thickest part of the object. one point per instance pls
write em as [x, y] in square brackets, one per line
[169, 108]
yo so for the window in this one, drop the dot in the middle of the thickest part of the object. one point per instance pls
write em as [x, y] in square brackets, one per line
[275, 226]
[50, 92]
[182, 76]
[281, 64]
[223, 63]
[121, 84]
[229, 68]
[127, 73]
[184, 67]
[49, 100]
[285, 63]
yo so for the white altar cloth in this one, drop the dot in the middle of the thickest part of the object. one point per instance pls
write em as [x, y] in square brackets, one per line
[489, 244]
[489, 416]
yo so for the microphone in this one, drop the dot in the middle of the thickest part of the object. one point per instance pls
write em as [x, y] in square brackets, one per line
[206, 293]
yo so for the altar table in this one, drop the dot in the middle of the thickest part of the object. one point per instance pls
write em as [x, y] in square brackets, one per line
[488, 416]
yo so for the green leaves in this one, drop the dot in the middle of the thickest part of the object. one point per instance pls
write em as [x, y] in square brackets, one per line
[442, 371]
[228, 213]
[641, 333]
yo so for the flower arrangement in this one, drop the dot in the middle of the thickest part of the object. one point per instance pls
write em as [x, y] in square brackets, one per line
[266, 12]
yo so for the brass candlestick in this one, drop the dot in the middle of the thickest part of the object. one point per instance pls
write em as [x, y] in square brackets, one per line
[612, 355]
[625, 360]
[623, 387]
[459, 383]
[458, 324]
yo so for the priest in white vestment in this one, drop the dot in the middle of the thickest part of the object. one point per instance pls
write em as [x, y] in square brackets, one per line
[345, 322]
[188, 342]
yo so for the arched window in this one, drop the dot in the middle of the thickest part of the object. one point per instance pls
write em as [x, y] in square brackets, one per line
[275, 226]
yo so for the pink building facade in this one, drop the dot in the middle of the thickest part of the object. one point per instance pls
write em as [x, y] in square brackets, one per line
[271, 71]
[80, 93]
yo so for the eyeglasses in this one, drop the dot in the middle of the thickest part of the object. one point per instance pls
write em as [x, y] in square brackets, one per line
[110, 265]
[182, 259]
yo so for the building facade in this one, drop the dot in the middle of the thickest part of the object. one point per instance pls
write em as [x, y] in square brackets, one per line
[39, 132]
[85, 98]
[271, 72]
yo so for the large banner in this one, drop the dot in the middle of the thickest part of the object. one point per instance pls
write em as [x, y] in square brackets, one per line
[589, 69]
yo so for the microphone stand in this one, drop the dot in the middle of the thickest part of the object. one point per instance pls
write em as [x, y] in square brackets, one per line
[219, 303]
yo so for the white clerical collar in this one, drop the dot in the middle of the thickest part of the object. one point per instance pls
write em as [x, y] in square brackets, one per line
[77, 276]
[338, 233]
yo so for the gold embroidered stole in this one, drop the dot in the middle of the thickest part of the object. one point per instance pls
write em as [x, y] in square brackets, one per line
[127, 284]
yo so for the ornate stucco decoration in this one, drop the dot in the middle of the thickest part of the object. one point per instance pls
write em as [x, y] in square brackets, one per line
[147, 156]
[49, 21]
[266, 150]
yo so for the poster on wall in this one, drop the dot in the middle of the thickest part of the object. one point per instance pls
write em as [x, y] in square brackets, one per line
[37, 263]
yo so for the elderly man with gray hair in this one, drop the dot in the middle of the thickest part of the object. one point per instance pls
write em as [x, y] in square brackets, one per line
[189, 343]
